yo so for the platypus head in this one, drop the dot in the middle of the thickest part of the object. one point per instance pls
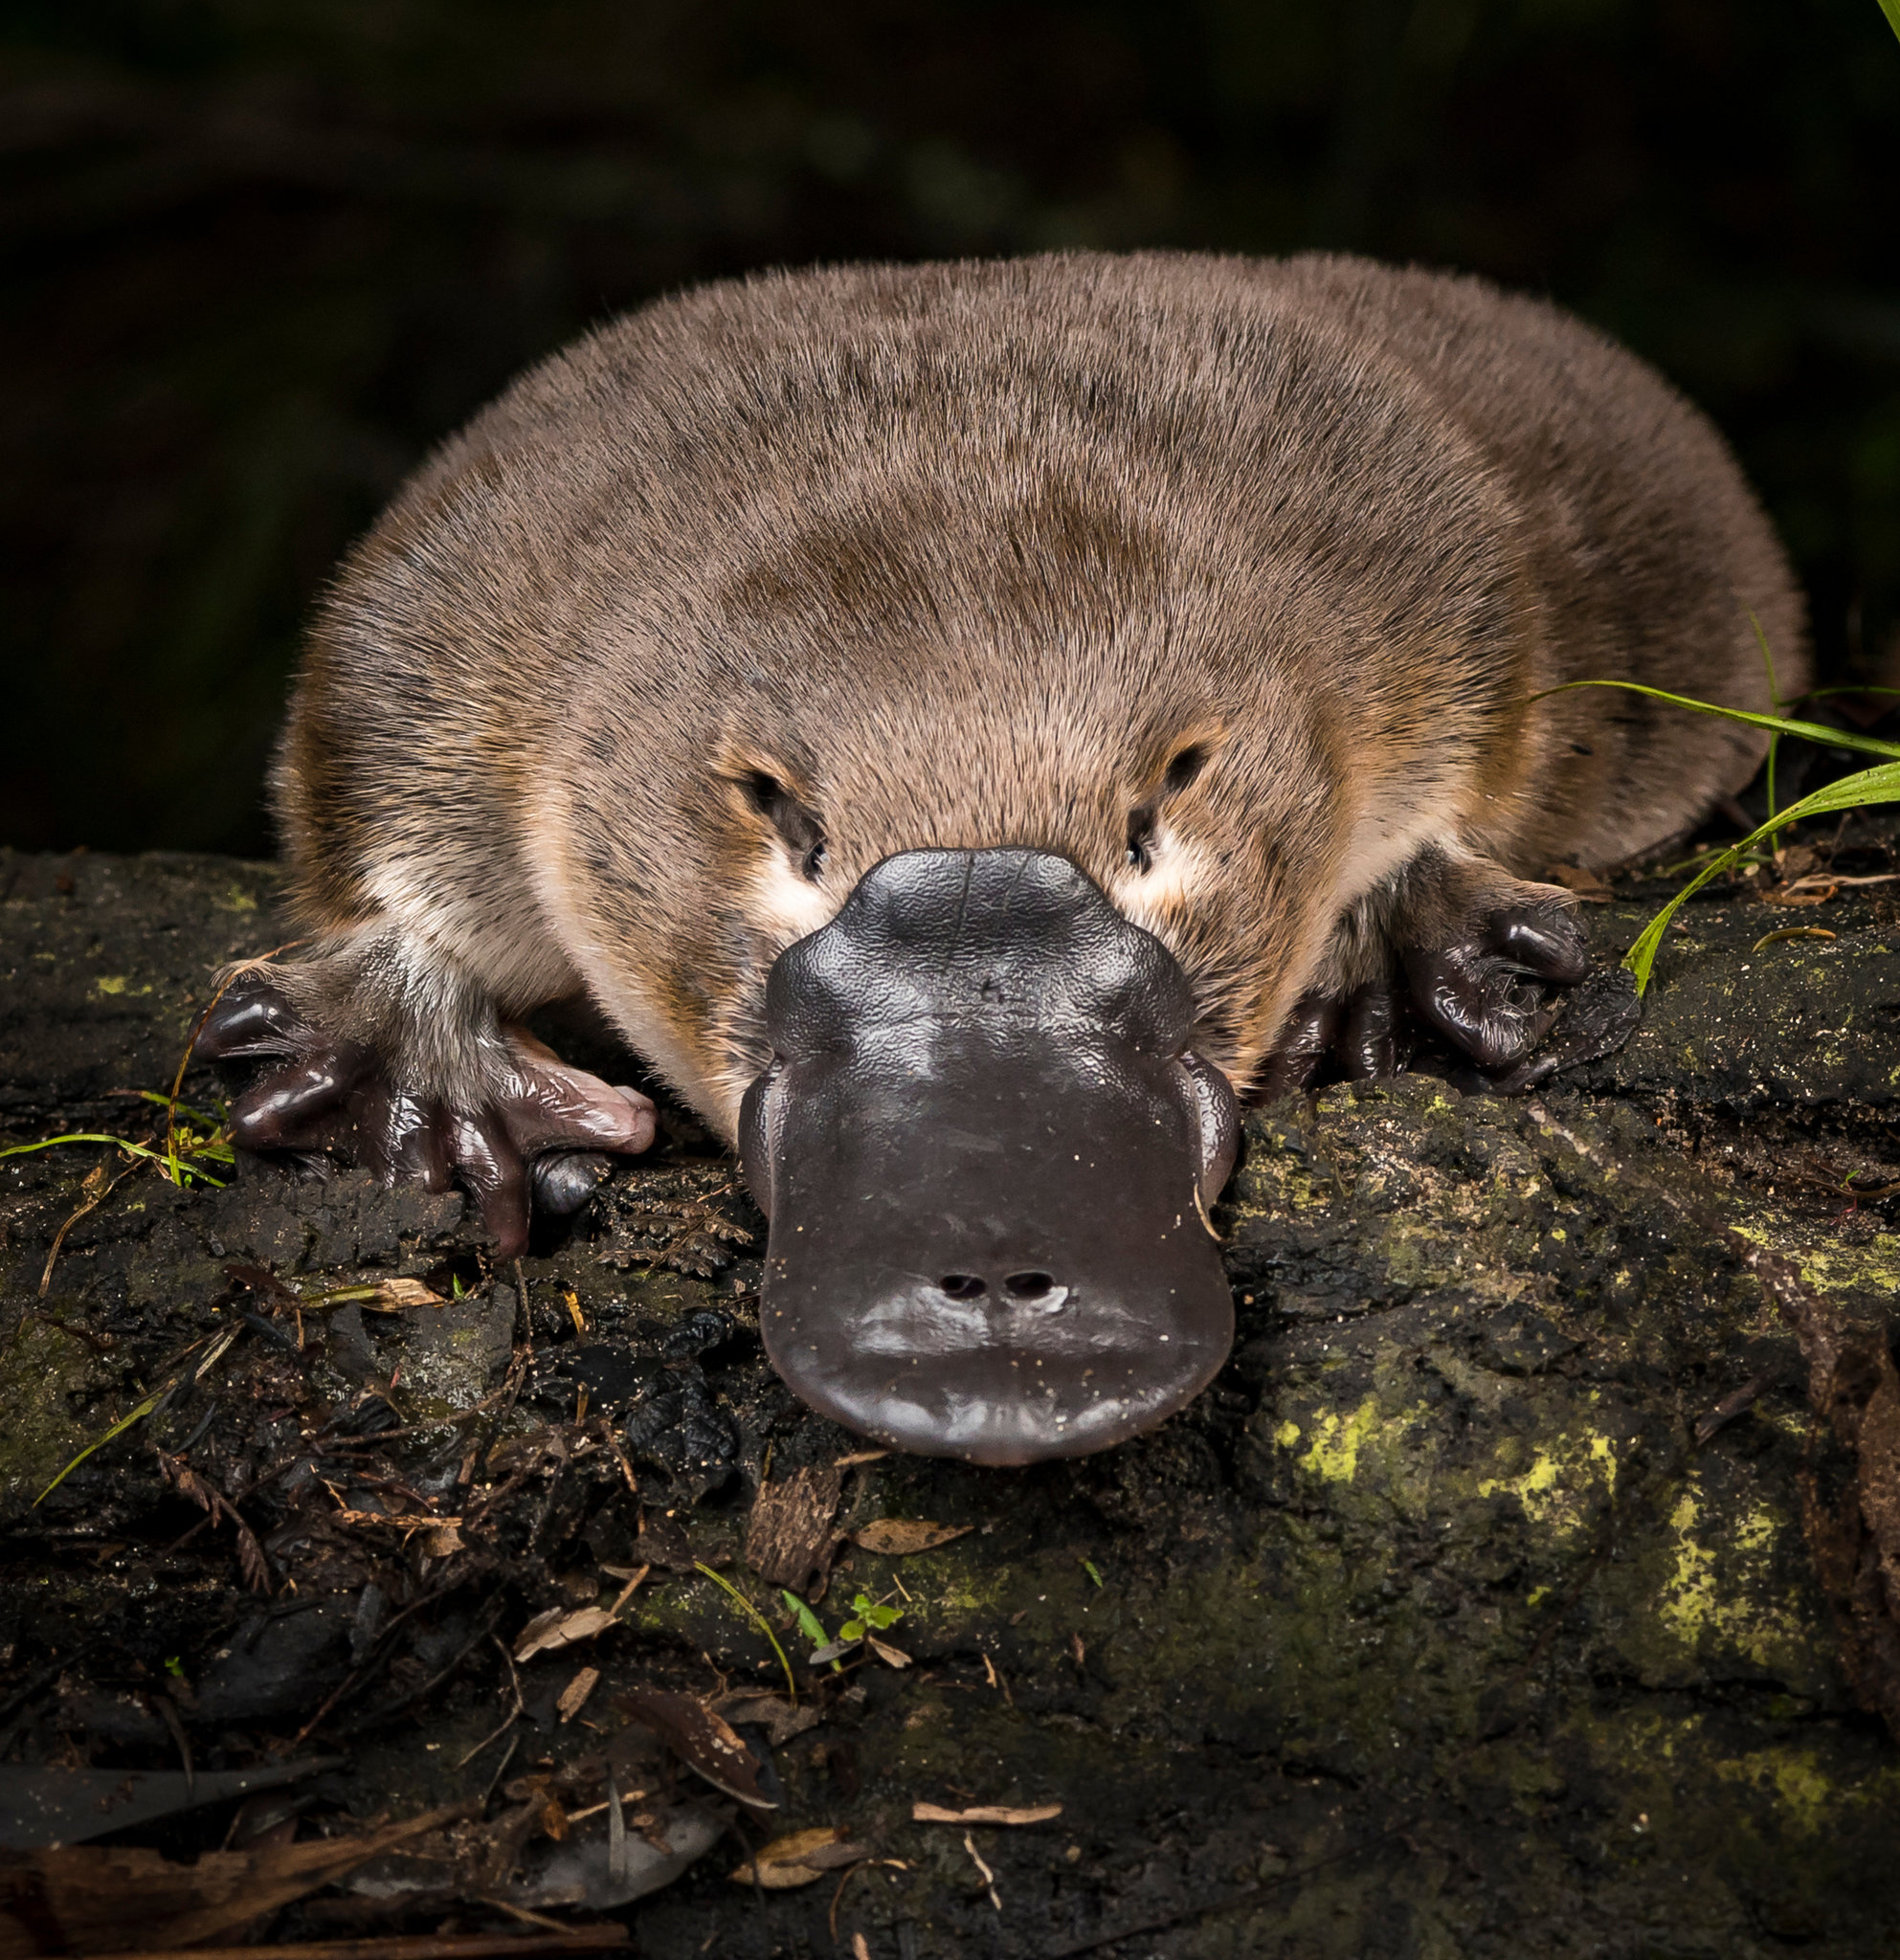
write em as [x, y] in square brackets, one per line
[986, 1151]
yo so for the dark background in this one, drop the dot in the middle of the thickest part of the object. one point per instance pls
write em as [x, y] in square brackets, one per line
[260, 254]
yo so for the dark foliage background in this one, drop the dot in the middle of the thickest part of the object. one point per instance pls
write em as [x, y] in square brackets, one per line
[260, 254]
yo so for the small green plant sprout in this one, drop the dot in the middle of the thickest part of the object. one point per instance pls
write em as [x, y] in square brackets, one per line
[868, 1620]
[868, 1615]
[1088, 1567]
[1880, 784]
[808, 1623]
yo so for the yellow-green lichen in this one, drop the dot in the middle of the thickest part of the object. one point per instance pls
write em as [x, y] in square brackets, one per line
[1564, 1484]
[1807, 1796]
[1334, 1451]
[1721, 1589]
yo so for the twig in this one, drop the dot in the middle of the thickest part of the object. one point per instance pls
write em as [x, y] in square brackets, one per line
[578, 1938]
[98, 1188]
[989, 1877]
[514, 1716]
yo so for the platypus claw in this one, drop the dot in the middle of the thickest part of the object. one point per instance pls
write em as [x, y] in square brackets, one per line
[537, 1140]
[1481, 992]
[1365, 1032]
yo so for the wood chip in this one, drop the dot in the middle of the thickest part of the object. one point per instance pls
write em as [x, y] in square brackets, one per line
[573, 1697]
[984, 1814]
[788, 1536]
[900, 1537]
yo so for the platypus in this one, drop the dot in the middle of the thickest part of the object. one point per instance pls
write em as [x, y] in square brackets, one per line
[969, 727]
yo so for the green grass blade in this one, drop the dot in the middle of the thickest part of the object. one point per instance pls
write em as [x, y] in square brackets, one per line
[757, 1618]
[1775, 725]
[1891, 10]
[125, 1144]
[83, 1136]
[118, 1428]
[211, 1123]
[1768, 661]
[1879, 785]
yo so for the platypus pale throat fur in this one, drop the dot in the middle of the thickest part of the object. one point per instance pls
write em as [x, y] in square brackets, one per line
[995, 714]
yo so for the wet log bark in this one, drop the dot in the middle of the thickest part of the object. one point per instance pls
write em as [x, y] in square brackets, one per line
[1485, 1605]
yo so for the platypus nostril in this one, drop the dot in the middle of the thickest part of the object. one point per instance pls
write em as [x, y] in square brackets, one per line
[1028, 1285]
[962, 1286]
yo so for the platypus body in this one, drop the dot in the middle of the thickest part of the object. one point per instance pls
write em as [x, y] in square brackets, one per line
[967, 725]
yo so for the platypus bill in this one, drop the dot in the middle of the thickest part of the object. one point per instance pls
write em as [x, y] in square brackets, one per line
[967, 725]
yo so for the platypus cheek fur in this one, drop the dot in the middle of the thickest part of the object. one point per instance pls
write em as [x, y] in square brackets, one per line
[986, 1151]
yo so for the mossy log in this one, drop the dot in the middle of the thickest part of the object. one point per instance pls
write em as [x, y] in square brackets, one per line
[1475, 1611]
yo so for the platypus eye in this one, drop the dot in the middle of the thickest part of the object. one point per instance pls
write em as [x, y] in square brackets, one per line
[801, 827]
[1141, 839]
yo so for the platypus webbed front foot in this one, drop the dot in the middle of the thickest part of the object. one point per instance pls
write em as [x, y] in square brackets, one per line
[528, 1139]
[1456, 948]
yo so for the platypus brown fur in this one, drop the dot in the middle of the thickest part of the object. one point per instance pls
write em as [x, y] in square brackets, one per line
[1235, 587]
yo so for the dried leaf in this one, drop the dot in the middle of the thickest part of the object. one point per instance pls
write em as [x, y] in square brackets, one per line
[891, 1657]
[573, 1697]
[984, 1814]
[899, 1537]
[792, 1860]
[775, 1715]
[206, 1496]
[93, 1900]
[546, 1632]
[407, 1293]
[700, 1740]
[559, 1627]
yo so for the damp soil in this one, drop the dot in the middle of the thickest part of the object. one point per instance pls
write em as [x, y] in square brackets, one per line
[1476, 1610]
